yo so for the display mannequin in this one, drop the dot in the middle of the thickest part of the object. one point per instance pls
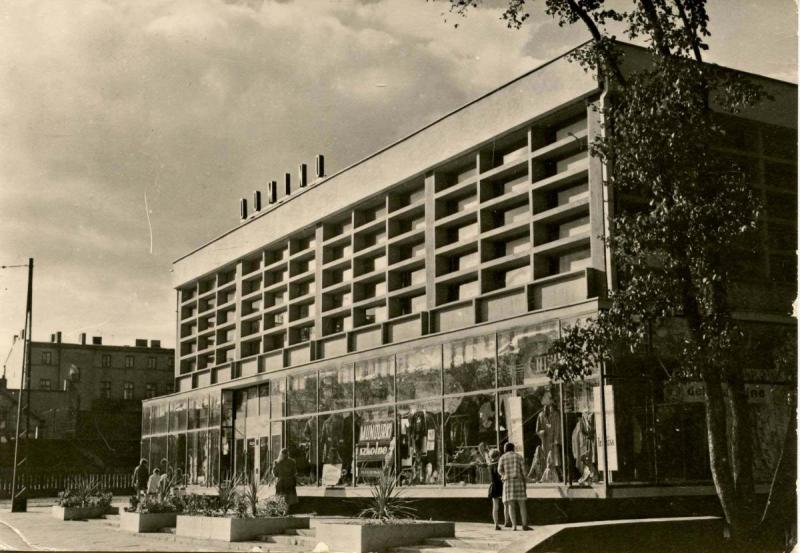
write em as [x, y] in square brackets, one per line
[548, 428]
[584, 449]
[332, 435]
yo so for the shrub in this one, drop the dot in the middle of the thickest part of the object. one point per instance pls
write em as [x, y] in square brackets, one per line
[275, 506]
[86, 493]
[157, 505]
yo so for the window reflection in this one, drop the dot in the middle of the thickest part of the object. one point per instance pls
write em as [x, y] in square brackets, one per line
[301, 396]
[375, 381]
[469, 365]
[301, 440]
[336, 388]
[419, 373]
[522, 358]
[336, 446]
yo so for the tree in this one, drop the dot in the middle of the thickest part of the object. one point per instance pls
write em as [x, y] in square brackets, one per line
[669, 250]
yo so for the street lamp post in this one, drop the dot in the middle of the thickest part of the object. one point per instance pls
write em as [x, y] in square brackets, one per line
[19, 500]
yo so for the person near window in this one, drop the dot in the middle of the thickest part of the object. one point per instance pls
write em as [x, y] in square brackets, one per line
[511, 468]
[285, 470]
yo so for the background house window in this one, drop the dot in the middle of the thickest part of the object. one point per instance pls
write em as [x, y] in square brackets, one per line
[106, 361]
[150, 390]
[44, 384]
[129, 361]
[105, 389]
[47, 357]
[127, 390]
[170, 363]
[151, 362]
[169, 387]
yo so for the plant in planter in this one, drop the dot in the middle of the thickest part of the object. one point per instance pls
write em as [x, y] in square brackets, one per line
[386, 502]
[86, 499]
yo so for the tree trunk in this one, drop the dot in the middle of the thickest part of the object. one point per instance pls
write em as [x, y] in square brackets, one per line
[719, 454]
[741, 441]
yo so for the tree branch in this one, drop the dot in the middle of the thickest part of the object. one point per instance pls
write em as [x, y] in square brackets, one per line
[691, 31]
[658, 33]
[598, 38]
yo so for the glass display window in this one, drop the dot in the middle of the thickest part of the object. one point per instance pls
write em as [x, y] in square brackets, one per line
[144, 449]
[214, 410]
[203, 411]
[419, 373]
[301, 396]
[470, 433]
[531, 419]
[277, 394]
[302, 443]
[172, 449]
[192, 414]
[214, 455]
[374, 381]
[419, 444]
[582, 433]
[240, 456]
[180, 456]
[375, 444]
[160, 415]
[336, 448]
[276, 440]
[336, 388]
[263, 400]
[522, 354]
[177, 415]
[227, 408]
[158, 451]
[252, 402]
[469, 365]
[264, 460]
[225, 455]
[633, 429]
[147, 415]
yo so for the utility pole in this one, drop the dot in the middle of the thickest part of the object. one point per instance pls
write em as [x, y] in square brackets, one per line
[19, 500]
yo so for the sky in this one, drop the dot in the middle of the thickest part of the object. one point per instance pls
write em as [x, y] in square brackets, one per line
[130, 129]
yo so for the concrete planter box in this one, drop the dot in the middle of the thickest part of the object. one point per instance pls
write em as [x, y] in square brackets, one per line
[363, 538]
[234, 529]
[78, 513]
[146, 522]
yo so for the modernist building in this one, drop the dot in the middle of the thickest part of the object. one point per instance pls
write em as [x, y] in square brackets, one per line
[87, 397]
[397, 314]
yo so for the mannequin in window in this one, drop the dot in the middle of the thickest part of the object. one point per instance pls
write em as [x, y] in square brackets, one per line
[548, 428]
[331, 438]
[584, 449]
[310, 446]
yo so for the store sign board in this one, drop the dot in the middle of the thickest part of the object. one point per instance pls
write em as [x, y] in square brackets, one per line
[611, 428]
[513, 407]
[331, 474]
[695, 392]
[378, 431]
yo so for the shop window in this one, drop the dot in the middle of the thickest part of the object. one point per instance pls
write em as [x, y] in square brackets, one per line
[203, 411]
[336, 448]
[469, 434]
[633, 428]
[375, 444]
[302, 443]
[419, 373]
[680, 433]
[531, 419]
[147, 413]
[469, 365]
[522, 357]
[177, 416]
[419, 447]
[276, 440]
[263, 401]
[214, 410]
[225, 470]
[336, 388]
[301, 396]
[277, 393]
[214, 444]
[582, 418]
[375, 381]
[179, 462]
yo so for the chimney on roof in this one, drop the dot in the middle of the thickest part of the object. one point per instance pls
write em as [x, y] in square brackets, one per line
[140, 343]
[302, 174]
[243, 208]
[287, 183]
[53, 338]
[272, 191]
[3, 383]
[257, 201]
[97, 340]
[82, 337]
[320, 166]
[58, 337]
[155, 343]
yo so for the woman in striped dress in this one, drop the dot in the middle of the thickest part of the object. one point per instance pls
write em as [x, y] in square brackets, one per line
[511, 467]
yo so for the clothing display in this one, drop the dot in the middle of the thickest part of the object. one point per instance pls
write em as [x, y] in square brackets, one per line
[548, 428]
[584, 448]
[537, 465]
[332, 439]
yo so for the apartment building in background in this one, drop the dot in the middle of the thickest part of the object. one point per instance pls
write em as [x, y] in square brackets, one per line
[396, 315]
[86, 399]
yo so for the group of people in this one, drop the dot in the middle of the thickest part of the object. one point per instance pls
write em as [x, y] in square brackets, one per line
[507, 488]
[150, 483]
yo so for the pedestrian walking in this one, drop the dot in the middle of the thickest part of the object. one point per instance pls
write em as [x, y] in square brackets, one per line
[154, 482]
[511, 468]
[285, 470]
[140, 476]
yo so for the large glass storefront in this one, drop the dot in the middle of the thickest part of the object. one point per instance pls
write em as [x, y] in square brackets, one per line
[431, 415]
